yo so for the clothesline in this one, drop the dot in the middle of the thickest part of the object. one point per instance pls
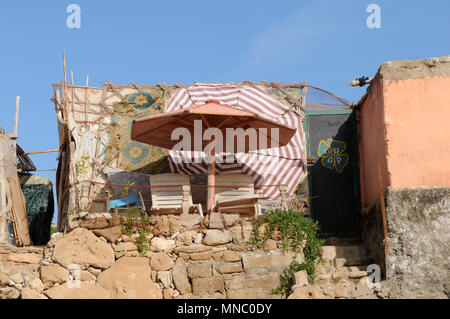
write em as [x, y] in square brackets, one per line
[166, 186]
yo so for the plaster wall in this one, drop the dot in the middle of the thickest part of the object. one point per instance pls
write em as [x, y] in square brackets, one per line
[417, 114]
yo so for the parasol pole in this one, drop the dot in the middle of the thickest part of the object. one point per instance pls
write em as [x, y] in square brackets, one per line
[211, 181]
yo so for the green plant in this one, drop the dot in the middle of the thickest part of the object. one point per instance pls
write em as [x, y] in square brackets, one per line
[297, 234]
[82, 165]
[53, 230]
[76, 210]
[126, 189]
[133, 220]
[142, 241]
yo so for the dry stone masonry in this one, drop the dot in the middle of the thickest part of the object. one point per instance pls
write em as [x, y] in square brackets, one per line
[185, 259]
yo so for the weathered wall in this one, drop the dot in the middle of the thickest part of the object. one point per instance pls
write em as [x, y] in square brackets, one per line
[419, 252]
[7, 169]
[372, 144]
[372, 235]
[417, 131]
[184, 260]
[402, 128]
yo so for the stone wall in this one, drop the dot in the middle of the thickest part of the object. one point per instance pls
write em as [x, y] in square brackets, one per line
[419, 236]
[372, 235]
[187, 257]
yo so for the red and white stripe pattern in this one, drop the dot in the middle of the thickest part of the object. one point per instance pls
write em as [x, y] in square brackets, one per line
[273, 167]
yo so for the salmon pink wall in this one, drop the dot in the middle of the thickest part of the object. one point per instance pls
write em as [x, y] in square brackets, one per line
[417, 117]
[372, 146]
[404, 127]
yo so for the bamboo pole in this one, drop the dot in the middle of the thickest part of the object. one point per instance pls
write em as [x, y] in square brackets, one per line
[65, 87]
[16, 117]
[64, 64]
[40, 152]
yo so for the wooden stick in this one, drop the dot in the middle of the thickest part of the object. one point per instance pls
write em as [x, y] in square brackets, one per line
[16, 117]
[65, 85]
[64, 64]
[71, 75]
[86, 103]
[40, 152]
[15, 230]
[211, 182]
[87, 80]
[383, 215]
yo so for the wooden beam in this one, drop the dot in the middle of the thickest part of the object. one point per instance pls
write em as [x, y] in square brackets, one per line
[16, 117]
[384, 218]
[40, 152]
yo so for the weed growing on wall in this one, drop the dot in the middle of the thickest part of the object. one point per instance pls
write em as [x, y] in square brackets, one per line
[133, 220]
[82, 166]
[297, 234]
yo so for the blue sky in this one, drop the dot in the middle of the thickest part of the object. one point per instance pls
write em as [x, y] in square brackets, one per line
[326, 43]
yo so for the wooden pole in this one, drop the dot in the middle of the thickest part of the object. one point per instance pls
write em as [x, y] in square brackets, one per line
[87, 80]
[383, 215]
[65, 86]
[64, 64]
[40, 152]
[211, 181]
[16, 117]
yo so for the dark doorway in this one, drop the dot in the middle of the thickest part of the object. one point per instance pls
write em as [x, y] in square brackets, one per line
[333, 173]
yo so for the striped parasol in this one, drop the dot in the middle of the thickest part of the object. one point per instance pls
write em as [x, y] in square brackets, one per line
[268, 167]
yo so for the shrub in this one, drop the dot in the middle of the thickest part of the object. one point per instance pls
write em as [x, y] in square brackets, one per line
[297, 234]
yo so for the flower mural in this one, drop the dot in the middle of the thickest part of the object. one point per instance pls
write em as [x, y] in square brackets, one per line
[331, 153]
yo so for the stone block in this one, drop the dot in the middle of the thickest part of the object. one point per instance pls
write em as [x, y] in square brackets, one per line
[229, 256]
[201, 256]
[54, 274]
[200, 269]
[161, 261]
[228, 268]
[165, 277]
[217, 237]
[253, 286]
[301, 278]
[271, 261]
[222, 221]
[111, 234]
[205, 286]
[180, 278]
[194, 248]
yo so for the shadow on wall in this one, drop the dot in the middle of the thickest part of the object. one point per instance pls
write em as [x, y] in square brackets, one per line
[372, 235]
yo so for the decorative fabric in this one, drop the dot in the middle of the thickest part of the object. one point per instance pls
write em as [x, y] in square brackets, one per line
[38, 193]
[135, 156]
